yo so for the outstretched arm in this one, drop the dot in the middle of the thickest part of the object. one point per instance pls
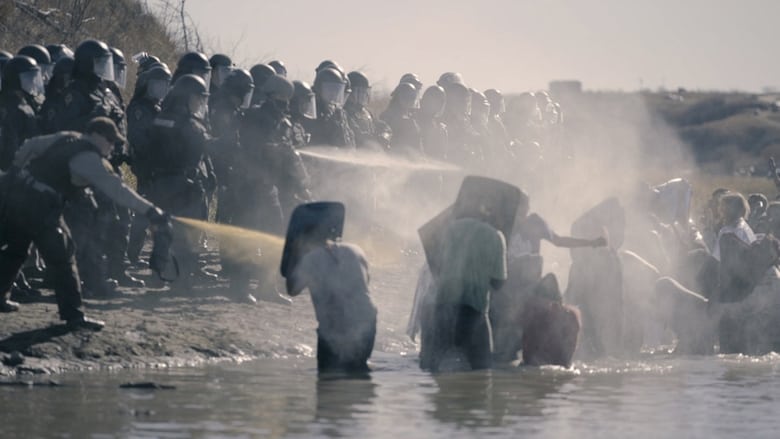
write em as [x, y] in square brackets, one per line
[570, 242]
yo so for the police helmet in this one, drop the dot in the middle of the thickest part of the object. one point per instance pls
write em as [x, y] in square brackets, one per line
[23, 73]
[193, 63]
[303, 101]
[93, 61]
[449, 78]
[278, 87]
[358, 79]
[278, 67]
[239, 83]
[413, 79]
[58, 51]
[329, 64]
[41, 56]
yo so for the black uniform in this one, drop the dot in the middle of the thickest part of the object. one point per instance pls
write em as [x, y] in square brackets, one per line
[99, 227]
[274, 178]
[331, 127]
[141, 113]
[406, 133]
[179, 176]
[32, 213]
[433, 136]
[18, 122]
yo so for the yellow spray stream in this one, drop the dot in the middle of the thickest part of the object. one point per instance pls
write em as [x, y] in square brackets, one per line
[240, 244]
[265, 250]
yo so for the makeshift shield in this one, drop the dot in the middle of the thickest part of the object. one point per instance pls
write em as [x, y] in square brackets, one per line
[609, 215]
[310, 223]
[479, 197]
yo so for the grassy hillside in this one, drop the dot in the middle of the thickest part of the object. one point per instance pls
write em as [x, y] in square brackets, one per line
[130, 25]
[727, 132]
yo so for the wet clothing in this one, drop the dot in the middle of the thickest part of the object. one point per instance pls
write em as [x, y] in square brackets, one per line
[528, 235]
[51, 171]
[337, 278]
[18, 122]
[473, 255]
[550, 332]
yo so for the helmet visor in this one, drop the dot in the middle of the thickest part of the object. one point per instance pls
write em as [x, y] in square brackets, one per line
[47, 71]
[32, 82]
[120, 75]
[199, 106]
[220, 73]
[361, 95]
[308, 107]
[247, 100]
[104, 67]
[156, 89]
[205, 74]
[333, 93]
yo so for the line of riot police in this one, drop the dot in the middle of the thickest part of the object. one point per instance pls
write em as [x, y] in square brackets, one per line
[211, 132]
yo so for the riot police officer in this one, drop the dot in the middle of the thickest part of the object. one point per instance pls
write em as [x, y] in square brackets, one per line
[193, 63]
[18, 122]
[4, 58]
[42, 57]
[48, 171]
[278, 67]
[303, 113]
[331, 127]
[368, 131]
[227, 111]
[496, 126]
[260, 72]
[60, 79]
[433, 133]
[464, 146]
[274, 178]
[399, 116]
[179, 177]
[221, 65]
[151, 88]
[59, 51]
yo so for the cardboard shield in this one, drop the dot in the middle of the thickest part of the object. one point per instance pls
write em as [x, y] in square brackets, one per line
[477, 196]
[609, 215]
[310, 223]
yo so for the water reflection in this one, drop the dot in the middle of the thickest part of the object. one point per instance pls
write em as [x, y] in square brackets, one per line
[342, 398]
[494, 398]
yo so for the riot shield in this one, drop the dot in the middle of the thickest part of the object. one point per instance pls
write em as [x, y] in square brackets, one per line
[310, 223]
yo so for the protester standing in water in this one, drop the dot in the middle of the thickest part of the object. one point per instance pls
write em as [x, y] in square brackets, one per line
[336, 274]
[473, 263]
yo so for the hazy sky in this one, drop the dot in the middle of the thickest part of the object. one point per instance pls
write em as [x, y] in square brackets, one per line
[514, 45]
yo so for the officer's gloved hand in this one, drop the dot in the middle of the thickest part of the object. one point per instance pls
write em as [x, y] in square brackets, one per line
[157, 217]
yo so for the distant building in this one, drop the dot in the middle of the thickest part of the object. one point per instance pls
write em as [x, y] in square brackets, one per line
[570, 87]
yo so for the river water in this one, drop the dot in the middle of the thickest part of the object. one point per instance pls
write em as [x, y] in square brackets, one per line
[660, 396]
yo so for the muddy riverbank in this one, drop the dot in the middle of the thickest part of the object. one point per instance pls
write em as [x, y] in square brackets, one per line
[155, 328]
